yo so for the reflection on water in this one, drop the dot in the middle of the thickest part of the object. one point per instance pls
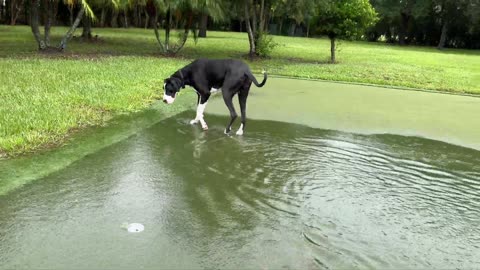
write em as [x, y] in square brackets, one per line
[282, 196]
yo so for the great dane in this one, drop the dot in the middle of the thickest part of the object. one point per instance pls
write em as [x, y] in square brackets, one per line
[205, 76]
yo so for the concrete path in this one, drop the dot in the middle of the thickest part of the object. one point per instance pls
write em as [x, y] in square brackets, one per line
[364, 109]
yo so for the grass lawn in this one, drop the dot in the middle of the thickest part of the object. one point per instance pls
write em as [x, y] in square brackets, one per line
[45, 97]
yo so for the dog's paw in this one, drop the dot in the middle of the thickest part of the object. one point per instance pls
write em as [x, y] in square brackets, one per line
[226, 131]
[204, 127]
[239, 132]
[193, 122]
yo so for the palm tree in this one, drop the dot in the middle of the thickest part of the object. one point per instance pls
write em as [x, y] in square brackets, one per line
[115, 5]
[185, 12]
[209, 8]
[84, 8]
[44, 42]
[256, 22]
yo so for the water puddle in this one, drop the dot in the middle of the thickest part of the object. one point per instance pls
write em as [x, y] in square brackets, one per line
[281, 196]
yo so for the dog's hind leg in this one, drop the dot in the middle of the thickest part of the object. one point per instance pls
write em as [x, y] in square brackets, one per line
[242, 99]
[227, 97]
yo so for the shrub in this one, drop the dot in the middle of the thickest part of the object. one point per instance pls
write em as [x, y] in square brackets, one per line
[265, 44]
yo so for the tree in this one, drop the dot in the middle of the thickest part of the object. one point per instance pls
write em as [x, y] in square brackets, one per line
[202, 32]
[344, 19]
[16, 7]
[399, 16]
[84, 8]
[256, 17]
[300, 11]
[209, 8]
[44, 42]
[473, 28]
[449, 11]
[184, 12]
[170, 7]
[452, 23]
[451, 19]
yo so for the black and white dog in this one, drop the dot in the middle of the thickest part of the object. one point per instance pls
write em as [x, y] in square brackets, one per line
[206, 76]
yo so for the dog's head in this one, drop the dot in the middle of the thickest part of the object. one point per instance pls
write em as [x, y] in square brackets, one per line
[171, 87]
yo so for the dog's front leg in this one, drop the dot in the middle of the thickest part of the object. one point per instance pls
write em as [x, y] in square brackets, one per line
[203, 100]
[200, 110]
[195, 120]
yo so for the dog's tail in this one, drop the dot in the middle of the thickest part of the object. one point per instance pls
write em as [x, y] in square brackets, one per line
[254, 80]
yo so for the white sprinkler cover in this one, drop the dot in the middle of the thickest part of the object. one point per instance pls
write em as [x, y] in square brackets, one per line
[135, 227]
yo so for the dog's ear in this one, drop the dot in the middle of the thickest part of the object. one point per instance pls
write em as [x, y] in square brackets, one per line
[176, 82]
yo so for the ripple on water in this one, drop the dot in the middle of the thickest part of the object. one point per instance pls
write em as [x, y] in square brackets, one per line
[386, 197]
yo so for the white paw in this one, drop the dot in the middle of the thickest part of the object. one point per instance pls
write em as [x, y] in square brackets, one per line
[240, 132]
[193, 122]
[226, 131]
[204, 127]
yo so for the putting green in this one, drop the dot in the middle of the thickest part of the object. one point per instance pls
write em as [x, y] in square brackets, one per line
[364, 109]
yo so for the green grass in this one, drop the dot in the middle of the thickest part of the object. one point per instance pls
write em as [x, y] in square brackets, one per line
[46, 97]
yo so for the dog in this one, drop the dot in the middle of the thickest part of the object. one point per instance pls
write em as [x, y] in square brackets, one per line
[205, 76]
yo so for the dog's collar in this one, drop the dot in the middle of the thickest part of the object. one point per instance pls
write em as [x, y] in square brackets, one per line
[181, 78]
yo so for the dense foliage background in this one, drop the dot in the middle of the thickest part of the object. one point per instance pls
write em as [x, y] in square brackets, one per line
[441, 23]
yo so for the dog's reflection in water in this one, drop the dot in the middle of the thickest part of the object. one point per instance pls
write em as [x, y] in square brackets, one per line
[199, 143]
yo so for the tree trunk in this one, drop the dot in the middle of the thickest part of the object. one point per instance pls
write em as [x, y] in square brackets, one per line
[147, 18]
[70, 10]
[114, 21]
[140, 16]
[16, 9]
[203, 26]
[443, 37]
[188, 25]
[135, 16]
[55, 13]
[35, 5]
[267, 18]
[280, 25]
[308, 28]
[125, 18]
[403, 29]
[26, 11]
[405, 16]
[48, 21]
[12, 11]
[251, 38]
[261, 24]
[167, 29]
[7, 12]
[176, 21]
[332, 50]
[157, 34]
[68, 35]
[291, 31]
[102, 17]
[87, 28]
[254, 23]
